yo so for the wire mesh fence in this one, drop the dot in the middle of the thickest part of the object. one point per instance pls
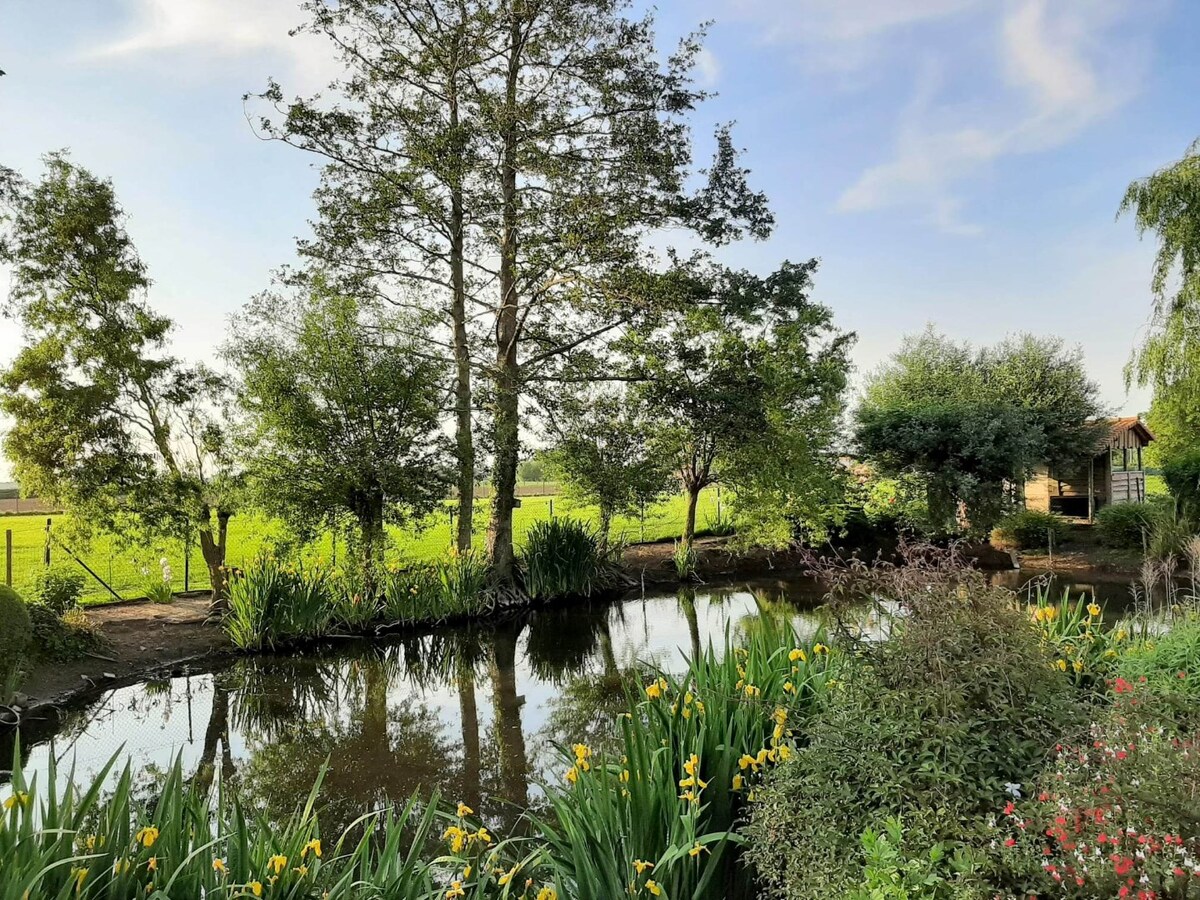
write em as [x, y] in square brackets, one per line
[113, 569]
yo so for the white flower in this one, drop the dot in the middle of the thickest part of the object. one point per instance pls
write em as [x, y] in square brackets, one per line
[1014, 789]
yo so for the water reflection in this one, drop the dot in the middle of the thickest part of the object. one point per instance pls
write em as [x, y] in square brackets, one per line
[471, 713]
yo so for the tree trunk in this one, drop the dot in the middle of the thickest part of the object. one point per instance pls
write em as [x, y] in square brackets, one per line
[371, 530]
[689, 523]
[606, 517]
[506, 703]
[213, 550]
[469, 712]
[506, 423]
[463, 439]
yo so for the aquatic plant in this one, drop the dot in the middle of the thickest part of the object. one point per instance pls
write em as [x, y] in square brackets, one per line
[684, 559]
[270, 604]
[462, 577]
[1080, 645]
[562, 557]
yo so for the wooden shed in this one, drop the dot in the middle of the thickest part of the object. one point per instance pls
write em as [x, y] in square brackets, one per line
[1115, 474]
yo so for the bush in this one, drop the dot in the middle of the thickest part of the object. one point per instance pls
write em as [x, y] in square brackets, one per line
[562, 558]
[894, 872]
[16, 632]
[62, 638]
[1126, 525]
[1182, 475]
[1168, 665]
[1029, 529]
[1114, 816]
[58, 589]
[931, 725]
[271, 604]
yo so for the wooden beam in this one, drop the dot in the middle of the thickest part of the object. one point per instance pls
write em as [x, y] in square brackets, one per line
[1092, 490]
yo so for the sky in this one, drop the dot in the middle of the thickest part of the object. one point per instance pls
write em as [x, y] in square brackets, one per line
[955, 162]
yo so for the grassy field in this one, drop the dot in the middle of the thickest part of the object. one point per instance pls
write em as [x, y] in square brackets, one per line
[252, 533]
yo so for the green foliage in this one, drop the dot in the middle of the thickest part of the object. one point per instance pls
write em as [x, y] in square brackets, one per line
[930, 725]
[563, 558]
[1126, 525]
[1030, 529]
[684, 560]
[1168, 665]
[747, 388]
[105, 423]
[892, 872]
[58, 589]
[271, 604]
[602, 455]
[343, 411]
[969, 421]
[64, 638]
[1182, 474]
[16, 633]
[1076, 638]
[1128, 789]
[462, 578]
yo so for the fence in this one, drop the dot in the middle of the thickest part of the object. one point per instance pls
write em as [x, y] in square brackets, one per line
[105, 563]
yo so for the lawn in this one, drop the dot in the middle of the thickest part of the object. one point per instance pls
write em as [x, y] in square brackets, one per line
[251, 533]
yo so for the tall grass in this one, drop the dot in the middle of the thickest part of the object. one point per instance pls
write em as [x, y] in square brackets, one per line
[562, 557]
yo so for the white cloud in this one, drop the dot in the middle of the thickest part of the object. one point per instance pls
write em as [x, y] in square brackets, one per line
[708, 68]
[223, 28]
[1062, 69]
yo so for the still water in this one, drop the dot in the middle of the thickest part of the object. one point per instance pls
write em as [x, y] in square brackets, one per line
[473, 714]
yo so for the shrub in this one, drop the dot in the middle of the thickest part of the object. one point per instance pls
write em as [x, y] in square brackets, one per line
[62, 638]
[1168, 665]
[562, 558]
[1114, 816]
[1182, 475]
[462, 580]
[1126, 525]
[58, 589]
[16, 632]
[893, 871]
[931, 725]
[684, 559]
[1029, 529]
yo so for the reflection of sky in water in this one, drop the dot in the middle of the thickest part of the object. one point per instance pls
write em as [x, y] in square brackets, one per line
[151, 723]
[389, 715]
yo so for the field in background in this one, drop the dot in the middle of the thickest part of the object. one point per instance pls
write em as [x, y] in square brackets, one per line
[252, 533]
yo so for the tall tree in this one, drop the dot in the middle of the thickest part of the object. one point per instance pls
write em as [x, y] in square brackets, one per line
[973, 421]
[106, 423]
[1168, 204]
[746, 384]
[343, 414]
[602, 454]
[398, 195]
[589, 128]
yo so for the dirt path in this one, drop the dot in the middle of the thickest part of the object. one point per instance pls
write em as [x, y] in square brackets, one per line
[141, 636]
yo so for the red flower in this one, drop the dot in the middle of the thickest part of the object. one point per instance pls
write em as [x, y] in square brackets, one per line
[1121, 686]
[1122, 865]
[1011, 842]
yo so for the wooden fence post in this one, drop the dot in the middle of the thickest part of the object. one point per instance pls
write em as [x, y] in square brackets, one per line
[8, 557]
[46, 553]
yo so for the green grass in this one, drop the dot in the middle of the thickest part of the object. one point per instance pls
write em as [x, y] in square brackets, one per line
[251, 532]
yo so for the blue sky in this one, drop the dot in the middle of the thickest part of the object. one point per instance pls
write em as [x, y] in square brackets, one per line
[950, 161]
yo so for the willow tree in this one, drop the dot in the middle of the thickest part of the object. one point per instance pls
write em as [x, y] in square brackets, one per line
[402, 181]
[342, 412]
[1167, 204]
[106, 423]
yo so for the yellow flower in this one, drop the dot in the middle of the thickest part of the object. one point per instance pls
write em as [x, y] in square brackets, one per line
[798, 654]
[506, 877]
[482, 836]
[572, 775]
[1093, 610]
[219, 865]
[255, 888]
[456, 890]
[624, 776]
[547, 893]
[784, 752]
[738, 782]
[277, 863]
[1078, 664]
[147, 836]
[652, 887]
[690, 796]
[746, 761]
[653, 691]
[692, 764]
[640, 866]
[819, 649]
[1062, 665]
[20, 797]
[152, 864]
[696, 850]
[789, 688]
[315, 846]
[752, 691]
[80, 877]
[467, 871]
[120, 867]
[464, 810]
[301, 870]
[457, 838]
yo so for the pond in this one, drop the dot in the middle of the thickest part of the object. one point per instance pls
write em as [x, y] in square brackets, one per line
[472, 713]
